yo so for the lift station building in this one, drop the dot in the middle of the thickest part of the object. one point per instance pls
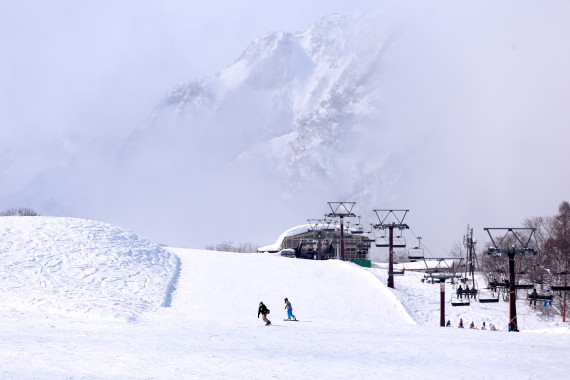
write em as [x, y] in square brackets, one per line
[306, 241]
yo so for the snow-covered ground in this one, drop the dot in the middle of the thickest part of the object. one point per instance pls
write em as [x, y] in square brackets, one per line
[82, 299]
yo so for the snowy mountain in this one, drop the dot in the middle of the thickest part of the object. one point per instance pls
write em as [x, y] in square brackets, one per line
[288, 125]
[299, 99]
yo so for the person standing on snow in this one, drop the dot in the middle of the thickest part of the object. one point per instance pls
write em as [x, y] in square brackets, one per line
[289, 309]
[263, 310]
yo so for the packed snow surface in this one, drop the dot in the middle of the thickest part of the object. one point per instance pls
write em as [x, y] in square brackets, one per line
[350, 325]
[71, 266]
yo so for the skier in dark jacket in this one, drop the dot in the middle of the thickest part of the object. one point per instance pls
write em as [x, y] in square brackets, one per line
[289, 309]
[263, 310]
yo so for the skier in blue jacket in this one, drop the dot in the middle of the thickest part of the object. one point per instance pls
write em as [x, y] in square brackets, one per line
[289, 309]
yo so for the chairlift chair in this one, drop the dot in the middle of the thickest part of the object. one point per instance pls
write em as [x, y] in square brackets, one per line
[524, 286]
[487, 299]
[455, 301]
[382, 242]
[416, 253]
[399, 241]
[540, 297]
[560, 288]
[357, 228]
[498, 285]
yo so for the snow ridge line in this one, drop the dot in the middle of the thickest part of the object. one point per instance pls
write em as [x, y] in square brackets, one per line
[399, 307]
[172, 283]
[397, 304]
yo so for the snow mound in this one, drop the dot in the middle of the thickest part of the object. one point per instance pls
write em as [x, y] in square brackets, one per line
[73, 267]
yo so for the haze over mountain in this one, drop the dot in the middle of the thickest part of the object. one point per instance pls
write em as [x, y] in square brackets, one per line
[289, 126]
[458, 116]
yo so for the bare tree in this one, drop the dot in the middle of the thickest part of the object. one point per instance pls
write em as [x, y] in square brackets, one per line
[457, 251]
[228, 246]
[23, 211]
[557, 246]
[400, 256]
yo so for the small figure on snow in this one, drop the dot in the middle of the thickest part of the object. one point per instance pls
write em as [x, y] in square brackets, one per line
[460, 292]
[492, 327]
[483, 327]
[263, 310]
[460, 325]
[548, 298]
[448, 324]
[289, 309]
[472, 326]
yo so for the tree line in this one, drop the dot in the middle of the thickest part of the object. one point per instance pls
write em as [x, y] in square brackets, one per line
[229, 246]
[22, 211]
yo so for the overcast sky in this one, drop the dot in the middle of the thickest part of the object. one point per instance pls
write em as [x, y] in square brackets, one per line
[488, 82]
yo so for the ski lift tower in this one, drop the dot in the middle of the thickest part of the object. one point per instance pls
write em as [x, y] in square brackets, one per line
[518, 239]
[469, 244]
[391, 219]
[564, 288]
[341, 210]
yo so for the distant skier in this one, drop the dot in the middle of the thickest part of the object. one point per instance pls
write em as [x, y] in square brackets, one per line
[483, 327]
[289, 309]
[263, 310]
[460, 325]
[448, 324]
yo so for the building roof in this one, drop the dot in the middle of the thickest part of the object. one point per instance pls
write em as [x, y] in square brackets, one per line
[303, 228]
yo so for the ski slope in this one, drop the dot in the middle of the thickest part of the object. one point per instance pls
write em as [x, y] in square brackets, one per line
[199, 315]
[422, 302]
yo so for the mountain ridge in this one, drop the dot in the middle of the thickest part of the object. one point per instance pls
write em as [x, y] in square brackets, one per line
[309, 94]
